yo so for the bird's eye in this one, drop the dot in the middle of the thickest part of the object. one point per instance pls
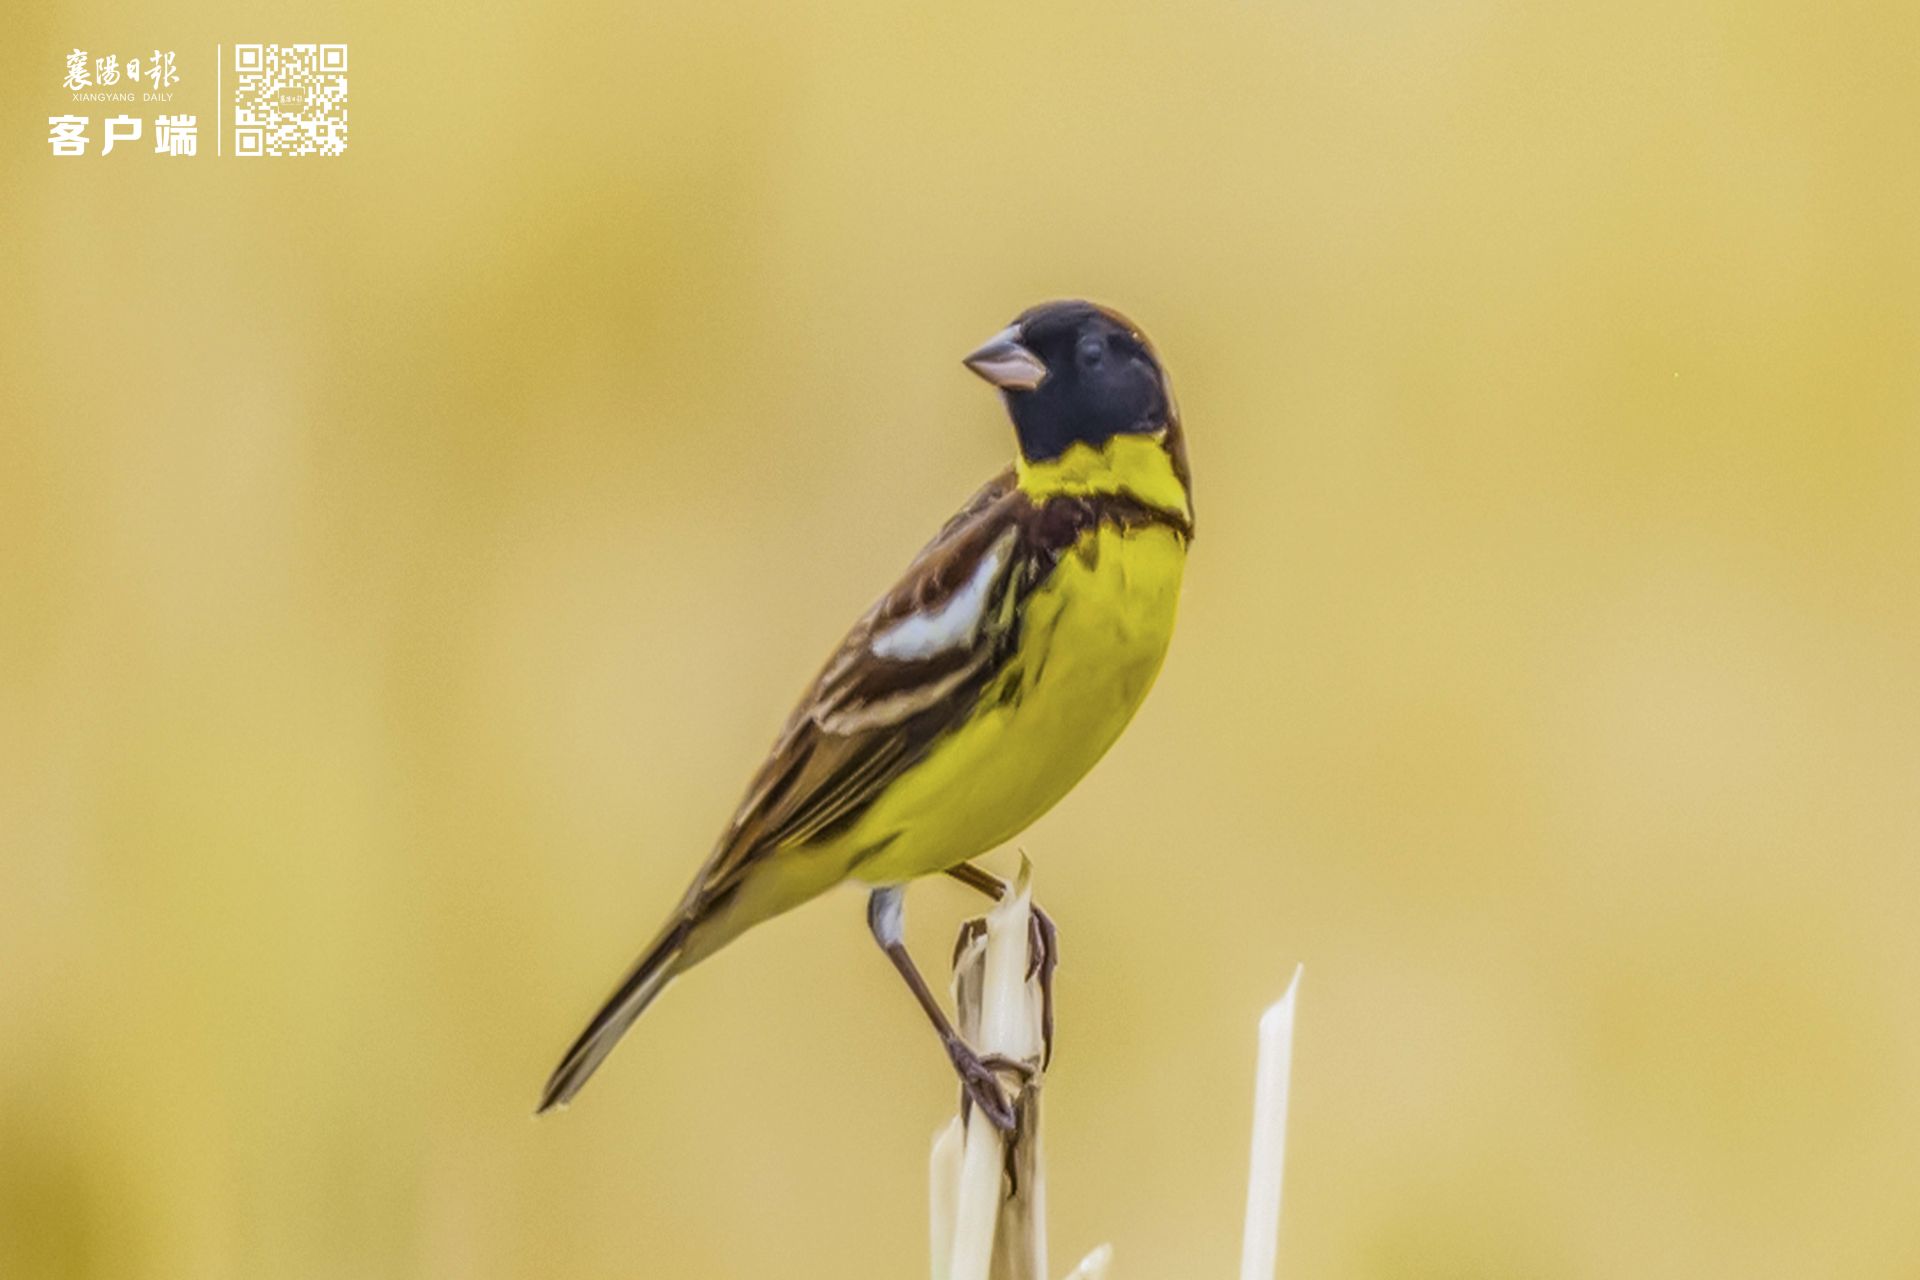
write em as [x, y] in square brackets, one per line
[1091, 352]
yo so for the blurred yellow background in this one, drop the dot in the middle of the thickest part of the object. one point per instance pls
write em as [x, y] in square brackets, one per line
[405, 558]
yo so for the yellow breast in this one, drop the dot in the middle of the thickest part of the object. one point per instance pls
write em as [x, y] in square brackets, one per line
[1091, 642]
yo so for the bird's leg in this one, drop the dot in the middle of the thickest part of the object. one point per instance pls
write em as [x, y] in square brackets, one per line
[885, 911]
[1043, 946]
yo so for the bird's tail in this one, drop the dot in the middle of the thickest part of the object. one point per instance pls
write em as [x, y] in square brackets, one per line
[648, 978]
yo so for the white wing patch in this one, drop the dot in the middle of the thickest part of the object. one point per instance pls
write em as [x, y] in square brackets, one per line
[954, 624]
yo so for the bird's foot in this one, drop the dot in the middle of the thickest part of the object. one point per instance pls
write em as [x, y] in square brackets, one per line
[1043, 957]
[980, 1083]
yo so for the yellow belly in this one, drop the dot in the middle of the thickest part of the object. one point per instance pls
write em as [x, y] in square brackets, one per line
[1091, 644]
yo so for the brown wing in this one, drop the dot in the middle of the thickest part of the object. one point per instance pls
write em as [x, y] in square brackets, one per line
[872, 712]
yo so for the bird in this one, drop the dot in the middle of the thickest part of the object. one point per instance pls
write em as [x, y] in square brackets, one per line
[977, 692]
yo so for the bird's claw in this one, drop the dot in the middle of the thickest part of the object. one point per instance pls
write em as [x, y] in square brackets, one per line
[1043, 957]
[980, 1084]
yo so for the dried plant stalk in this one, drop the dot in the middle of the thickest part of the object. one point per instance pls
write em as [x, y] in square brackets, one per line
[1094, 1266]
[985, 1224]
[988, 1225]
[1260, 1237]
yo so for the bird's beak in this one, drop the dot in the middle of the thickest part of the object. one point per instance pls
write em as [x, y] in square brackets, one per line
[1002, 361]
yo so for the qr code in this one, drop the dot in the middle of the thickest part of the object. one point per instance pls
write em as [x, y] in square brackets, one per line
[290, 99]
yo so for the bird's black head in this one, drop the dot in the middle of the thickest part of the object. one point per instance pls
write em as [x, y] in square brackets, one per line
[1075, 372]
